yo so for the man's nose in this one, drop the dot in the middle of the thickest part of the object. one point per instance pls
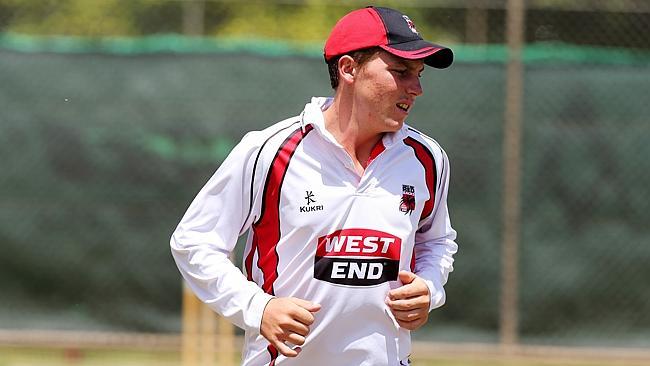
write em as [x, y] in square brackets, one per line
[414, 87]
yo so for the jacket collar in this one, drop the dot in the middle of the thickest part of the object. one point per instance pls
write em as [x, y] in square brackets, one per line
[313, 114]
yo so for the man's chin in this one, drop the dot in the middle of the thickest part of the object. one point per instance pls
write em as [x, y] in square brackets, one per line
[395, 125]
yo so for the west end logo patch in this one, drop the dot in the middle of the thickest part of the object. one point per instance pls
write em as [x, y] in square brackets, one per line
[407, 203]
[357, 257]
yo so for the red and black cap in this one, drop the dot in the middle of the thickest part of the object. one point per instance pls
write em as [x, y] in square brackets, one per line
[386, 28]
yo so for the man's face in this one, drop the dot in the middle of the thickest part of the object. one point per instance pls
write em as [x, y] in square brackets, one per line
[385, 90]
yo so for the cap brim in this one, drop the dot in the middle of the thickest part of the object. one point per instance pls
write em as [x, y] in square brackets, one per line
[432, 54]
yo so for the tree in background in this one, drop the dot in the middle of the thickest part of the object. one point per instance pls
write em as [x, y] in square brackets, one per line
[309, 20]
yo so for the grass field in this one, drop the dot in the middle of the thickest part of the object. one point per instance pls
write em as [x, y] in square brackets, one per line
[22, 356]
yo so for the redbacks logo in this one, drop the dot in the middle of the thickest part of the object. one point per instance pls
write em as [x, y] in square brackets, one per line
[407, 203]
[410, 23]
[357, 257]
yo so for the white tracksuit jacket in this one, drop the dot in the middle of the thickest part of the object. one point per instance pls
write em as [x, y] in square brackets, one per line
[320, 232]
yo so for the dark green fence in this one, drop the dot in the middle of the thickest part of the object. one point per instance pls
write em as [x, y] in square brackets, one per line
[104, 144]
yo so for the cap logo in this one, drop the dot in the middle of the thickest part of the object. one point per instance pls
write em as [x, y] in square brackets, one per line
[410, 23]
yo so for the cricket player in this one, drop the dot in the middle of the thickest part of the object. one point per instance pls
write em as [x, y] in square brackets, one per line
[349, 238]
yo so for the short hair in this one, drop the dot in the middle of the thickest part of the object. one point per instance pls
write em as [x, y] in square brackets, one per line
[359, 56]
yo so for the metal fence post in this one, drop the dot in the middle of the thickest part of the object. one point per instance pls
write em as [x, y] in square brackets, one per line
[191, 324]
[512, 176]
[476, 22]
[193, 17]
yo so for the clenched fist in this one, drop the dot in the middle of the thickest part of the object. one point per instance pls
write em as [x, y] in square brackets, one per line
[287, 319]
[410, 302]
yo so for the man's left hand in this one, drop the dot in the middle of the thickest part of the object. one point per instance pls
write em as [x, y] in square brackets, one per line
[410, 302]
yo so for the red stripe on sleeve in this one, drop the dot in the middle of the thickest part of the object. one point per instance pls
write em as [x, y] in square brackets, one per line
[428, 163]
[413, 261]
[266, 231]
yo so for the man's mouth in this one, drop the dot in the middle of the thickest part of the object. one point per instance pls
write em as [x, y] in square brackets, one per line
[403, 106]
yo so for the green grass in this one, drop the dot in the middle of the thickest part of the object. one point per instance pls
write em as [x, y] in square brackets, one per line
[512, 362]
[65, 357]
[23, 356]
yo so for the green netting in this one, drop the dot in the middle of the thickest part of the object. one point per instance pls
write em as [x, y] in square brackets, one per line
[103, 145]
[536, 53]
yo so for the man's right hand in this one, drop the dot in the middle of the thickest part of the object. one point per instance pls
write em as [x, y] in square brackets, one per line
[287, 319]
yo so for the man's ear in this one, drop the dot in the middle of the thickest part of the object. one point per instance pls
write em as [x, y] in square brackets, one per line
[347, 69]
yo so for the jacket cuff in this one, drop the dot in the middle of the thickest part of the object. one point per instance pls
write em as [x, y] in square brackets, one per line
[437, 294]
[253, 319]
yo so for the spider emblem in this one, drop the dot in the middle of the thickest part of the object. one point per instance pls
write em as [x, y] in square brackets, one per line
[407, 203]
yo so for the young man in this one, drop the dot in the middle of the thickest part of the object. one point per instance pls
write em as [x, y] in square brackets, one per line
[349, 241]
